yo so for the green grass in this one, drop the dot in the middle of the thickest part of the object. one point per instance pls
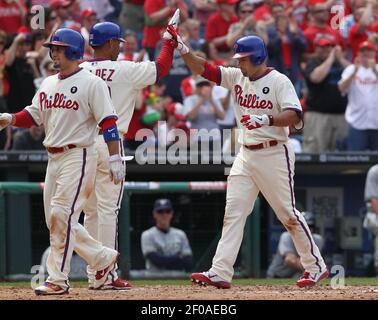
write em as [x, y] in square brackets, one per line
[241, 282]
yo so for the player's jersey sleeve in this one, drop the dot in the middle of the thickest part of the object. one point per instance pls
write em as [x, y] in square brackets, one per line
[100, 101]
[286, 245]
[185, 249]
[230, 77]
[371, 185]
[34, 109]
[147, 243]
[318, 241]
[141, 74]
[286, 96]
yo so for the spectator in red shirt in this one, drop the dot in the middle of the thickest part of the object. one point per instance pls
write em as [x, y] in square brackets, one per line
[264, 12]
[320, 28]
[218, 24]
[366, 25]
[357, 9]
[156, 17]
[12, 13]
[5, 135]
[202, 10]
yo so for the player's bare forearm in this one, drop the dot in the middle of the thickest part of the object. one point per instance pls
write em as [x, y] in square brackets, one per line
[113, 147]
[195, 63]
[219, 41]
[232, 37]
[161, 14]
[322, 71]
[286, 118]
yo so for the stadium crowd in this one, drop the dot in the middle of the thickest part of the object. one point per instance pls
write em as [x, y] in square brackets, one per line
[328, 49]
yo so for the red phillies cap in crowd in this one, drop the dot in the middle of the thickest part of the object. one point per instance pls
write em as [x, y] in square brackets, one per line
[324, 42]
[366, 45]
[227, 1]
[25, 30]
[55, 4]
[311, 3]
[87, 12]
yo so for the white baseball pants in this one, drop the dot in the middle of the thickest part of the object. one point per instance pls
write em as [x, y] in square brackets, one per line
[271, 171]
[101, 210]
[68, 184]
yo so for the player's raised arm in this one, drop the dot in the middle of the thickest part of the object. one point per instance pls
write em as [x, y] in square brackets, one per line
[196, 64]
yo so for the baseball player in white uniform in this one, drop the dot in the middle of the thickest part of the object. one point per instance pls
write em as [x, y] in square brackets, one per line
[125, 79]
[70, 105]
[266, 105]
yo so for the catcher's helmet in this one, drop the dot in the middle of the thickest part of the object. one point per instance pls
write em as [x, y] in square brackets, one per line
[104, 31]
[310, 218]
[69, 38]
[251, 46]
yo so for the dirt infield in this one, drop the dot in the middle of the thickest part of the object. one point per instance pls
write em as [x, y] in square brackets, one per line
[192, 292]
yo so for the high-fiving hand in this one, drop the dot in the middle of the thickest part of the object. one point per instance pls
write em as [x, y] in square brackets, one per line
[172, 33]
[173, 22]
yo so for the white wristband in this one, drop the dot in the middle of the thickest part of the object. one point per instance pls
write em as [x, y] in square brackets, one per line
[181, 46]
[115, 157]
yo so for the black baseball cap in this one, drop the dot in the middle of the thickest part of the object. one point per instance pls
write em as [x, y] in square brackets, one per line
[163, 204]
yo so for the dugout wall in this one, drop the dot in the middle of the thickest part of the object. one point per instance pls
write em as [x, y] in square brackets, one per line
[199, 210]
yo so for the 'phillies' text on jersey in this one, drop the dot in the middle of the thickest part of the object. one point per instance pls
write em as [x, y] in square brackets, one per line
[252, 101]
[60, 101]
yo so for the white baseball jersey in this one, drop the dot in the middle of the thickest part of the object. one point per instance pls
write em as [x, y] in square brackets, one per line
[362, 108]
[126, 78]
[269, 94]
[70, 112]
